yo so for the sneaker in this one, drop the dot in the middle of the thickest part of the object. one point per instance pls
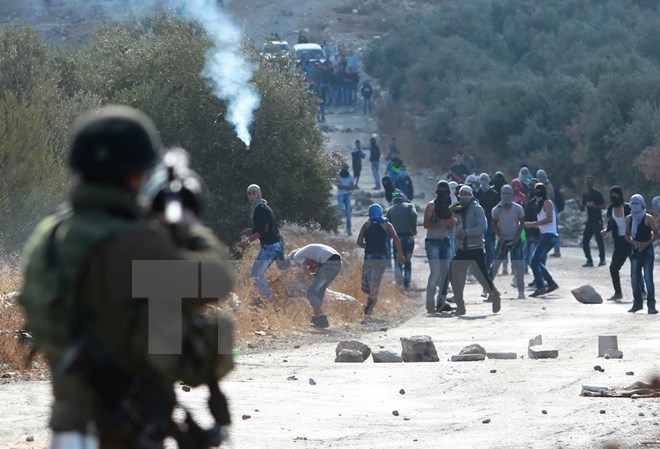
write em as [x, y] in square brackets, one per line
[320, 321]
[489, 299]
[532, 284]
[484, 293]
[513, 283]
[556, 254]
[538, 292]
[497, 301]
[601, 263]
[634, 309]
[444, 308]
[368, 308]
[615, 297]
[588, 263]
[552, 287]
[521, 295]
[653, 311]
[459, 311]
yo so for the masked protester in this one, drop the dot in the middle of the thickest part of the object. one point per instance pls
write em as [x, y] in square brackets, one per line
[471, 226]
[518, 196]
[488, 198]
[593, 201]
[498, 181]
[372, 237]
[388, 187]
[525, 179]
[546, 222]
[641, 232]
[617, 212]
[508, 223]
[439, 222]
[655, 210]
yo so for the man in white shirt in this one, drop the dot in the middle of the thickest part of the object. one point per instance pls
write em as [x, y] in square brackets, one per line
[325, 263]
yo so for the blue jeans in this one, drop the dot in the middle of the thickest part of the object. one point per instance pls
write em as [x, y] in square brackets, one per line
[265, 257]
[503, 249]
[367, 106]
[642, 261]
[439, 253]
[545, 244]
[375, 170]
[402, 276]
[344, 202]
[489, 244]
[373, 269]
[325, 274]
[528, 251]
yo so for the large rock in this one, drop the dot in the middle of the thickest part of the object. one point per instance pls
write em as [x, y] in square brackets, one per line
[473, 349]
[354, 345]
[386, 357]
[349, 356]
[586, 294]
[537, 350]
[418, 348]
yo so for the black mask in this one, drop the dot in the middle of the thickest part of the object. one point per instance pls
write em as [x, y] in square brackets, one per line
[616, 201]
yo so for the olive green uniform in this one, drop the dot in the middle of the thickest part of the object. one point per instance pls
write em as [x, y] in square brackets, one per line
[77, 275]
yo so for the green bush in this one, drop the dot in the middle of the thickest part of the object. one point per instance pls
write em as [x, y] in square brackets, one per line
[557, 82]
[155, 64]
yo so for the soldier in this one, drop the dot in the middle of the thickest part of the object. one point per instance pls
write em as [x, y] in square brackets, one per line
[110, 388]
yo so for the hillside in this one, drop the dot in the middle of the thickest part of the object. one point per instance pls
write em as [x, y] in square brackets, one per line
[347, 22]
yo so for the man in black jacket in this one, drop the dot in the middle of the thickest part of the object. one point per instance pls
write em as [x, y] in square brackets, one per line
[617, 212]
[265, 229]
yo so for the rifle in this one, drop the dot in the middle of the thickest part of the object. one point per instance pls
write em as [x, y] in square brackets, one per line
[175, 188]
[141, 406]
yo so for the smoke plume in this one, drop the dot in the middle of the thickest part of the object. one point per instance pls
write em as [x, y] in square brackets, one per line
[228, 71]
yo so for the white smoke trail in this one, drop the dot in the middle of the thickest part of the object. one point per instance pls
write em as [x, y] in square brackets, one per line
[228, 71]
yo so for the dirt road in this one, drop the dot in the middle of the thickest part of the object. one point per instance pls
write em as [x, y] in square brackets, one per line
[520, 403]
[445, 404]
[489, 404]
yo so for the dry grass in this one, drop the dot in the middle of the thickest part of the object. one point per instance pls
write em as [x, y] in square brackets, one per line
[289, 315]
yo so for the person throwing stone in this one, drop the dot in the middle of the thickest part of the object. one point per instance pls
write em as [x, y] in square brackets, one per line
[324, 262]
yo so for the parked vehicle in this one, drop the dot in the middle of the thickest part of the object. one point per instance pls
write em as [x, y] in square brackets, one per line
[313, 52]
[275, 48]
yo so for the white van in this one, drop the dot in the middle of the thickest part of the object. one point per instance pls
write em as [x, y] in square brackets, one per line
[313, 52]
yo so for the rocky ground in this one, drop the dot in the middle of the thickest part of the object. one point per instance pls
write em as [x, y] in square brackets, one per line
[290, 393]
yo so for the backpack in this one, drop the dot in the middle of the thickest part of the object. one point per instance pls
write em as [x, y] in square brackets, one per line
[559, 201]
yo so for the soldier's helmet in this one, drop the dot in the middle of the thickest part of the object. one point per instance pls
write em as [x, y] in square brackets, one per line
[114, 141]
